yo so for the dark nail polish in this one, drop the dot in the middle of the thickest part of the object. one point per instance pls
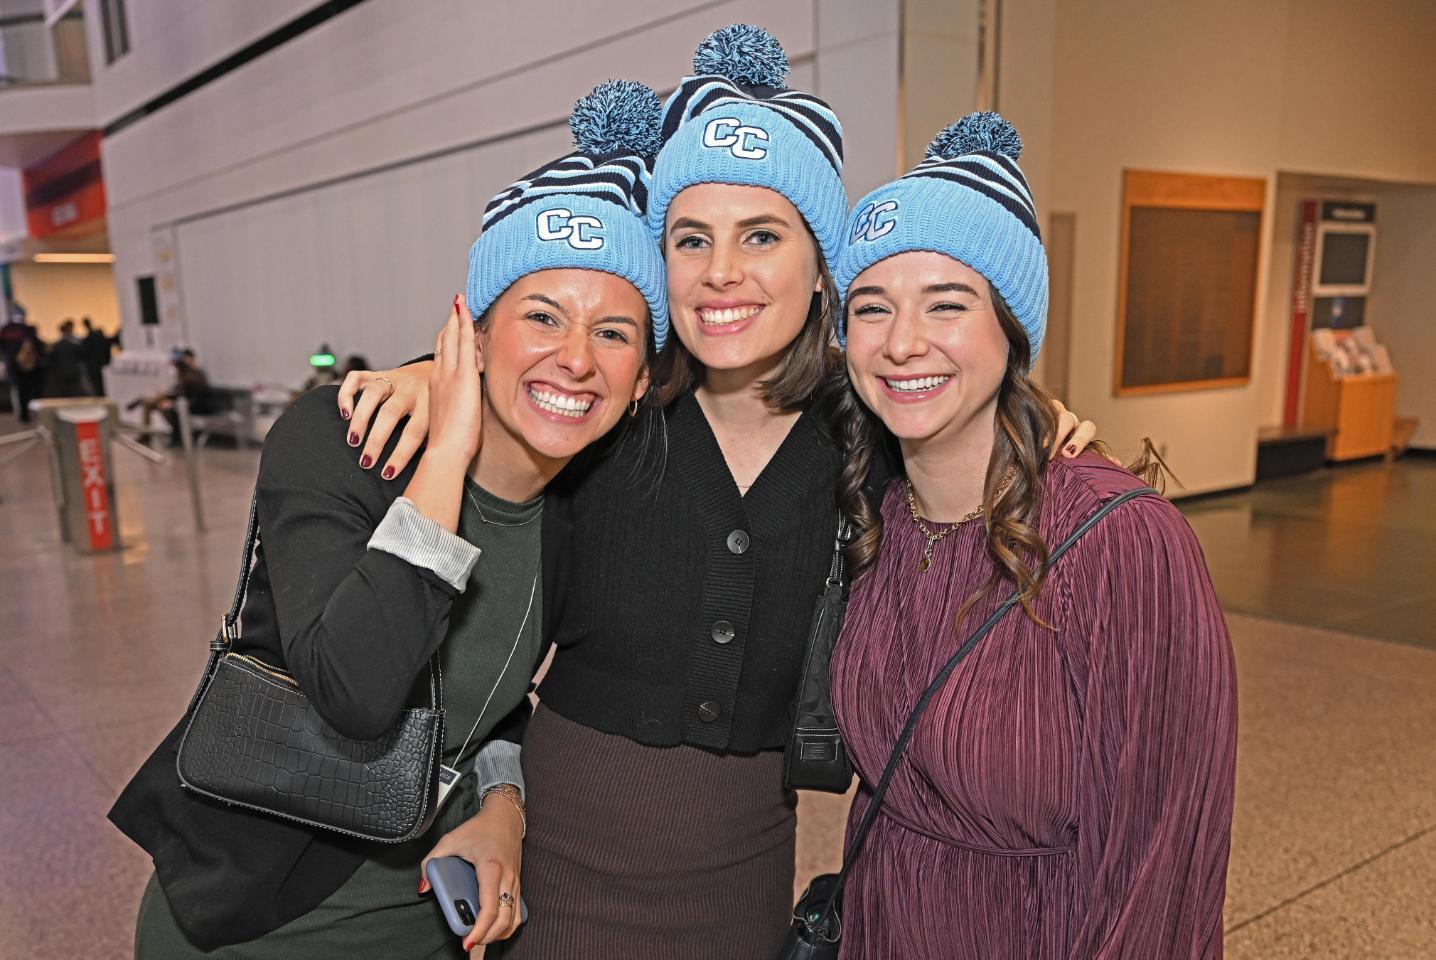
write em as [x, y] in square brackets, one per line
[456, 303]
[353, 439]
[388, 473]
[344, 413]
[365, 460]
[1071, 449]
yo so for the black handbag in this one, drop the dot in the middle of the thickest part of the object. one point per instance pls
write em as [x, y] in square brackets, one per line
[253, 739]
[815, 758]
[817, 930]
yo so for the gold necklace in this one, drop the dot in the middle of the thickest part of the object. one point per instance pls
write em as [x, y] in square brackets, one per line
[933, 538]
[499, 523]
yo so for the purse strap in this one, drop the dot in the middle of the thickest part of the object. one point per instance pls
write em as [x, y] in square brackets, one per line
[229, 624]
[870, 814]
[838, 569]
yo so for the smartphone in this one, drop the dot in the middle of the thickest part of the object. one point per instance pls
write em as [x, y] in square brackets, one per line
[457, 889]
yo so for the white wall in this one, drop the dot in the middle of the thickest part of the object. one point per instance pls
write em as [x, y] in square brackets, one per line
[1403, 300]
[1225, 87]
[378, 137]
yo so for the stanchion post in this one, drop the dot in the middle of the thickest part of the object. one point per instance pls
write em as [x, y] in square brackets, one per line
[191, 467]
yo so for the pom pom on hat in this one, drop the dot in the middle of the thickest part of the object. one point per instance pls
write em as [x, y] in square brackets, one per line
[983, 130]
[619, 116]
[744, 54]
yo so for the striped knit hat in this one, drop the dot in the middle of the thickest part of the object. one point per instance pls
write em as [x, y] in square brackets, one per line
[735, 122]
[584, 210]
[968, 200]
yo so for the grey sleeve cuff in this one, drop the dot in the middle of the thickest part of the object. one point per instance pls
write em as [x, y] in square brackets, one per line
[498, 762]
[413, 537]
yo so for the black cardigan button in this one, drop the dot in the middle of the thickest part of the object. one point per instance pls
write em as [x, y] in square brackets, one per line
[723, 632]
[709, 710]
[738, 541]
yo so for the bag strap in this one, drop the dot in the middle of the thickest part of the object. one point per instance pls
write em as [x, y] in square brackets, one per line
[838, 569]
[229, 625]
[870, 814]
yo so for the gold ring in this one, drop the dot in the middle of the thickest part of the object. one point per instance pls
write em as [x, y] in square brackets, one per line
[389, 382]
[506, 900]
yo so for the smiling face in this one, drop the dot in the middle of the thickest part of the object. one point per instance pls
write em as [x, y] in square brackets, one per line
[563, 353]
[926, 351]
[742, 271]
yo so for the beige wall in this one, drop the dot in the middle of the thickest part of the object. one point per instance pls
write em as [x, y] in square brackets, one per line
[52, 292]
[1226, 87]
[1403, 299]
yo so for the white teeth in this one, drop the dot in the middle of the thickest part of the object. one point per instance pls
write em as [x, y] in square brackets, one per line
[715, 318]
[916, 384]
[560, 403]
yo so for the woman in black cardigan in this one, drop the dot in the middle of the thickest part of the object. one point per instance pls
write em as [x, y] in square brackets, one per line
[355, 586]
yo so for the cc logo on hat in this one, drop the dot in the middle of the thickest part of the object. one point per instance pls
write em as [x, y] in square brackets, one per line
[874, 221]
[581, 233]
[741, 140]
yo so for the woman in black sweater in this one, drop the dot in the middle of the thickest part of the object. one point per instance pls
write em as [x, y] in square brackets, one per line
[684, 589]
[355, 585]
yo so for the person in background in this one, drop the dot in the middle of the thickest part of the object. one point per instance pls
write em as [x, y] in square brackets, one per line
[96, 347]
[355, 361]
[190, 383]
[24, 356]
[322, 371]
[66, 374]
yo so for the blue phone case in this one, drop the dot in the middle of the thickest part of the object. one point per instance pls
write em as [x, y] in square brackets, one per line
[457, 890]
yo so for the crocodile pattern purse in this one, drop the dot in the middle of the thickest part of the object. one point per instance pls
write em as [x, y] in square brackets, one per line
[254, 740]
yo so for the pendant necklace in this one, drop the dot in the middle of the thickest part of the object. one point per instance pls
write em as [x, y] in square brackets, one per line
[933, 536]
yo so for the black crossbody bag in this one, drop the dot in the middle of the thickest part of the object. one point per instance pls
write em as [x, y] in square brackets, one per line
[815, 758]
[253, 739]
[817, 930]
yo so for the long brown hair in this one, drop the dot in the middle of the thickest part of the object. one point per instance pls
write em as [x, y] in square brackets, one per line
[1012, 491]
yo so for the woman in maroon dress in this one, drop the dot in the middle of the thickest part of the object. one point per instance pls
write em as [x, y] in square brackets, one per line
[1067, 794]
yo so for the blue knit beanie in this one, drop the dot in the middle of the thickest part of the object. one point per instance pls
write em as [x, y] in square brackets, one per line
[735, 122]
[584, 210]
[968, 200]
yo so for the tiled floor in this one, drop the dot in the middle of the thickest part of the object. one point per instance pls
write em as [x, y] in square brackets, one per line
[1334, 846]
[1352, 548]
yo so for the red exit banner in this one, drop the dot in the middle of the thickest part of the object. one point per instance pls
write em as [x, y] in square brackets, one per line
[66, 191]
[95, 486]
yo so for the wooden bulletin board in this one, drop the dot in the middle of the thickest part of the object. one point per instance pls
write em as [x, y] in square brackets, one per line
[1186, 291]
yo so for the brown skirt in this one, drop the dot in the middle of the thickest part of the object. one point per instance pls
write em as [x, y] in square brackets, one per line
[636, 851]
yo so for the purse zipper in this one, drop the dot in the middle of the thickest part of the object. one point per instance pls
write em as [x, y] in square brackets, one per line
[274, 672]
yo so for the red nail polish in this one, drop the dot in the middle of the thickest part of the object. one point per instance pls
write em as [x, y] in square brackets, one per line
[353, 439]
[344, 413]
[365, 460]
[388, 473]
[1071, 449]
[456, 304]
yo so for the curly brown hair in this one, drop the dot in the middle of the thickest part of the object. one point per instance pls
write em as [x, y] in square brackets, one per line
[1026, 427]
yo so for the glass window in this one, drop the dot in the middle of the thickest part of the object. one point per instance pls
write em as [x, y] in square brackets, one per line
[117, 29]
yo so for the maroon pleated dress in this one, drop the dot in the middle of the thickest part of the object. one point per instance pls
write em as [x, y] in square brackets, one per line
[1068, 793]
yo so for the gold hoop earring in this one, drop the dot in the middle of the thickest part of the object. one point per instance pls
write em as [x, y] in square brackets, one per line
[633, 408]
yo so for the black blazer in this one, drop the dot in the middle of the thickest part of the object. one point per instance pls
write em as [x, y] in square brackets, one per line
[355, 627]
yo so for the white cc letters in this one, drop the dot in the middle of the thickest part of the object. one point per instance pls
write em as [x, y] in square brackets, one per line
[741, 140]
[581, 232]
[875, 220]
